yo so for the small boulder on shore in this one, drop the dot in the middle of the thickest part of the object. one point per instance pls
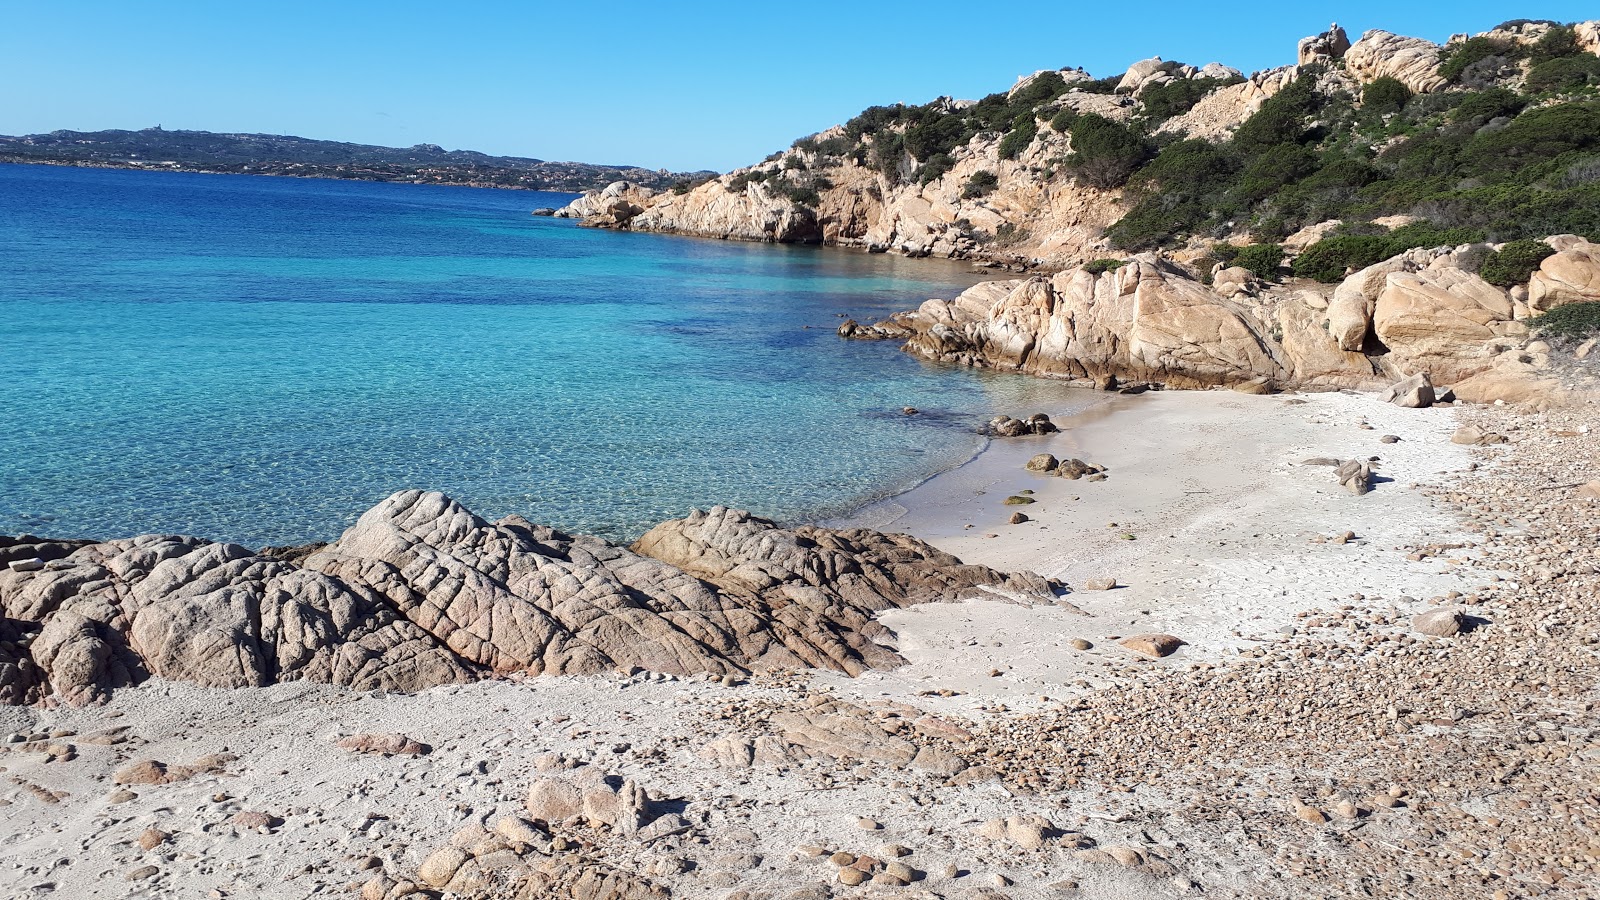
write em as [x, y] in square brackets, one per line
[1043, 462]
[1006, 426]
[1154, 646]
[1444, 622]
[1415, 392]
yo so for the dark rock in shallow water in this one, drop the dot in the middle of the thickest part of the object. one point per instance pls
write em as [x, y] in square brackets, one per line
[421, 592]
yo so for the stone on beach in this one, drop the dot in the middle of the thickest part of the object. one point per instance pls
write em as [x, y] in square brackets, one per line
[420, 592]
[1153, 645]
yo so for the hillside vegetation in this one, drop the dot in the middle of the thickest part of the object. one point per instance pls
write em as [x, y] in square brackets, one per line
[1494, 137]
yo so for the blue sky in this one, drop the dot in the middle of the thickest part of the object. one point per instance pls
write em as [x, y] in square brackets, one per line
[712, 85]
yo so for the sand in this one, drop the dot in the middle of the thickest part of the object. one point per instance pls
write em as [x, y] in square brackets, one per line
[1208, 519]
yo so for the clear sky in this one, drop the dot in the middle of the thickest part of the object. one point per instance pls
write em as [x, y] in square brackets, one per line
[681, 86]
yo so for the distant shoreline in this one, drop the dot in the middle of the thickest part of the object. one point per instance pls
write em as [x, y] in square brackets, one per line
[130, 166]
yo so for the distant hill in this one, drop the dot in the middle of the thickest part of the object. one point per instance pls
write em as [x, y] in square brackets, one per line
[277, 154]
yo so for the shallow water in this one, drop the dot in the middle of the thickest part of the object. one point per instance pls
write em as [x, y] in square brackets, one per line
[262, 359]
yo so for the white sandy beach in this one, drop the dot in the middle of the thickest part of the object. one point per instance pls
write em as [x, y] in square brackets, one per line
[1223, 554]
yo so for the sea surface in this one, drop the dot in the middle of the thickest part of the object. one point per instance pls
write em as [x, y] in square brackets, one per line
[260, 360]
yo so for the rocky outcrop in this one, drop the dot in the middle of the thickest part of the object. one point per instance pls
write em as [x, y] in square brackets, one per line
[1145, 321]
[420, 592]
[1424, 313]
[613, 206]
[1413, 62]
[752, 212]
[1328, 46]
[1589, 35]
[1571, 275]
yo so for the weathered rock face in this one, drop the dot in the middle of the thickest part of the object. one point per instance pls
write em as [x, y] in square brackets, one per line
[1144, 321]
[420, 592]
[751, 214]
[1328, 46]
[613, 206]
[1424, 312]
[1443, 321]
[1572, 275]
[1413, 62]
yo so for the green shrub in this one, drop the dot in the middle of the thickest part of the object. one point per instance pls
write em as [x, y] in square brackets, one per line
[935, 137]
[1263, 260]
[1281, 120]
[1178, 96]
[1514, 263]
[1099, 266]
[1062, 121]
[1534, 137]
[1328, 259]
[1557, 42]
[1100, 85]
[1385, 95]
[1575, 320]
[1493, 103]
[979, 184]
[1474, 50]
[1564, 74]
[934, 168]
[1022, 133]
[1105, 153]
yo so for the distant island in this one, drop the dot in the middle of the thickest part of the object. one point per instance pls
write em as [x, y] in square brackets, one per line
[277, 154]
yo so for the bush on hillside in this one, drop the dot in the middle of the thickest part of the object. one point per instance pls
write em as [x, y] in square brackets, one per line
[1263, 260]
[980, 184]
[1105, 153]
[1557, 42]
[1473, 51]
[1062, 121]
[1328, 259]
[1022, 133]
[1566, 73]
[1101, 266]
[934, 168]
[1515, 263]
[1575, 320]
[1178, 96]
[1481, 106]
[1385, 95]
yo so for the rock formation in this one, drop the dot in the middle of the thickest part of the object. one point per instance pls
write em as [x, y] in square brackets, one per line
[420, 592]
[1024, 210]
[1423, 313]
[1330, 45]
[1413, 62]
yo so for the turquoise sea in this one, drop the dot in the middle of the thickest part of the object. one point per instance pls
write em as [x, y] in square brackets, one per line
[261, 359]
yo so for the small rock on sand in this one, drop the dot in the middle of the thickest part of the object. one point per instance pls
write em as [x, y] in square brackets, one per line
[1152, 645]
[1099, 584]
[1443, 622]
[384, 744]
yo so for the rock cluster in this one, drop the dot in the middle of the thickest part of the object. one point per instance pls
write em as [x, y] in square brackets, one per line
[1006, 426]
[420, 592]
[1422, 315]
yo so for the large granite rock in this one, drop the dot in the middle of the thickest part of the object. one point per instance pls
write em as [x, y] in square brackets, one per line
[1146, 321]
[420, 592]
[613, 206]
[1328, 46]
[1413, 62]
[1571, 275]
[1442, 320]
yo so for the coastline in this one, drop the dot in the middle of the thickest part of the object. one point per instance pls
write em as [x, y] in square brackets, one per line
[1232, 537]
[1274, 712]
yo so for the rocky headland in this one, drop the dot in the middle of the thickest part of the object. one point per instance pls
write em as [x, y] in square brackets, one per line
[1063, 169]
